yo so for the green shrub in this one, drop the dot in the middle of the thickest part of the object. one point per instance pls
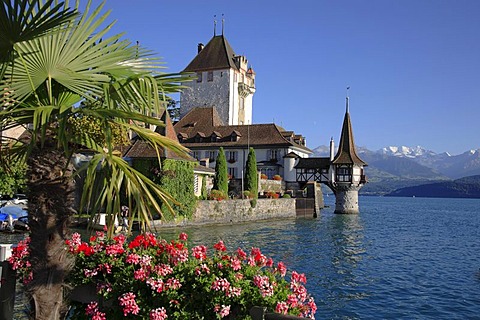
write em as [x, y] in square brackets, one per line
[286, 196]
[251, 174]
[217, 195]
[220, 181]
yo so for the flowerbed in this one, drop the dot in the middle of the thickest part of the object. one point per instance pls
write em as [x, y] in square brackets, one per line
[150, 278]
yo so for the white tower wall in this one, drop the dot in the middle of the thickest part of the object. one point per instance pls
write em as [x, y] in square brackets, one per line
[206, 93]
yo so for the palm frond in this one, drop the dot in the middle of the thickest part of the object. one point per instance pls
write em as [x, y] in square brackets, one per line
[24, 20]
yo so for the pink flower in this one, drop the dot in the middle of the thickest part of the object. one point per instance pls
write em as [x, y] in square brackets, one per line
[269, 262]
[236, 264]
[183, 236]
[114, 249]
[292, 300]
[141, 274]
[90, 273]
[91, 308]
[222, 310]
[156, 284]
[263, 283]
[282, 269]
[104, 287]
[282, 307]
[241, 254]
[158, 314]
[105, 268]
[234, 292]
[127, 301]
[199, 252]
[174, 284]
[298, 277]
[133, 258]
[163, 269]
[99, 316]
[220, 284]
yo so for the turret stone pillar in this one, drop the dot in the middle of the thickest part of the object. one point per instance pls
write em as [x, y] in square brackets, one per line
[346, 199]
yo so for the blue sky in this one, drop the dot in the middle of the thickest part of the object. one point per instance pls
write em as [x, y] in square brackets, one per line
[413, 66]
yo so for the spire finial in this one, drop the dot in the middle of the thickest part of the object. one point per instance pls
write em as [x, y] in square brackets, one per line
[223, 24]
[347, 98]
[214, 25]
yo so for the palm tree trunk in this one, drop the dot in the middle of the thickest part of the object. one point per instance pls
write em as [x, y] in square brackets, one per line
[50, 205]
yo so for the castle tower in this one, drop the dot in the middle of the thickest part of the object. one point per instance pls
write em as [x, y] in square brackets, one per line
[347, 175]
[222, 80]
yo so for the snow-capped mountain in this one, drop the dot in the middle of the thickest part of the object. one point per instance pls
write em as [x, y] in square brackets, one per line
[441, 164]
[409, 152]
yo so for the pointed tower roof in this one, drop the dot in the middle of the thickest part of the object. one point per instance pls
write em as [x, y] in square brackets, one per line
[217, 54]
[346, 153]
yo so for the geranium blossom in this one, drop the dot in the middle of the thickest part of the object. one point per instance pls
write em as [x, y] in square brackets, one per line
[220, 246]
[282, 307]
[222, 310]
[183, 236]
[150, 278]
[158, 314]
[220, 284]
[127, 301]
[199, 252]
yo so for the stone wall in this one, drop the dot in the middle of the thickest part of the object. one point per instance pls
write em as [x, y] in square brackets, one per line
[232, 211]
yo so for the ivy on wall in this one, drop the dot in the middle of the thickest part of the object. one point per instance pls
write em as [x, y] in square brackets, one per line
[176, 178]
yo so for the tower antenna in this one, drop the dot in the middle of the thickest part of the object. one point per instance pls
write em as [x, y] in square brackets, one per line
[223, 24]
[214, 25]
[347, 98]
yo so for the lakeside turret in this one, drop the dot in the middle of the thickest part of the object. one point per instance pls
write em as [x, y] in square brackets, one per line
[346, 170]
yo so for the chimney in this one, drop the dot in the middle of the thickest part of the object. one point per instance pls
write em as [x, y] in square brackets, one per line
[200, 47]
[332, 149]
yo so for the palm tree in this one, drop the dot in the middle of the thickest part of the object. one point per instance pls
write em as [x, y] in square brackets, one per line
[57, 65]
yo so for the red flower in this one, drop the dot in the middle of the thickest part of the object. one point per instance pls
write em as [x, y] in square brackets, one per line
[220, 246]
[86, 249]
[183, 236]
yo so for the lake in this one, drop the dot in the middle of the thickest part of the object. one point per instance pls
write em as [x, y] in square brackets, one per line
[400, 258]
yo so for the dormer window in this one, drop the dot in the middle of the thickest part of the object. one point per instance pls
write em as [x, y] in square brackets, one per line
[235, 136]
[199, 137]
[181, 137]
[215, 136]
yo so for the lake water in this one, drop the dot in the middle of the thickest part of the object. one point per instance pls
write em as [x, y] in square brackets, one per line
[400, 258]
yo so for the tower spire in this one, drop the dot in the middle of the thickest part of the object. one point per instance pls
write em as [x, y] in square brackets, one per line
[347, 106]
[214, 25]
[223, 24]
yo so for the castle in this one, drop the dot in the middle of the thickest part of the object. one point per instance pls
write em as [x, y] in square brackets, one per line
[216, 111]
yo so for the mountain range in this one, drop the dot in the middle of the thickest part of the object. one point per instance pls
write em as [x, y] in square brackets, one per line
[396, 167]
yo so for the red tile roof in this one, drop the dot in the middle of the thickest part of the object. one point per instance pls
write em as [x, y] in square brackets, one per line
[255, 135]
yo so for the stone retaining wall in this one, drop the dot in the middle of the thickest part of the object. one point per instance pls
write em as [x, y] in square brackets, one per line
[232, 211]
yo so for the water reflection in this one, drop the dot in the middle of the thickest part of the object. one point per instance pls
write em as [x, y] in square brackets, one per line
[342, 279]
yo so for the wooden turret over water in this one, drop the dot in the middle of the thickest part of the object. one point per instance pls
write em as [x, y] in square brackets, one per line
[346, 170]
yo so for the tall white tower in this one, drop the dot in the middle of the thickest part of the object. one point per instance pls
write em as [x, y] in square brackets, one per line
[222, 80]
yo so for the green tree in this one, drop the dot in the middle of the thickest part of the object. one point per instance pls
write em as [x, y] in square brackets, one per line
[12, 176]
[220, 181]
[173, 109]
[251, 174]
[55, 65]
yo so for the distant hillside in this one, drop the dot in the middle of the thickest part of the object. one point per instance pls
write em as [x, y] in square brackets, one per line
[468, 187]
[387, 172]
